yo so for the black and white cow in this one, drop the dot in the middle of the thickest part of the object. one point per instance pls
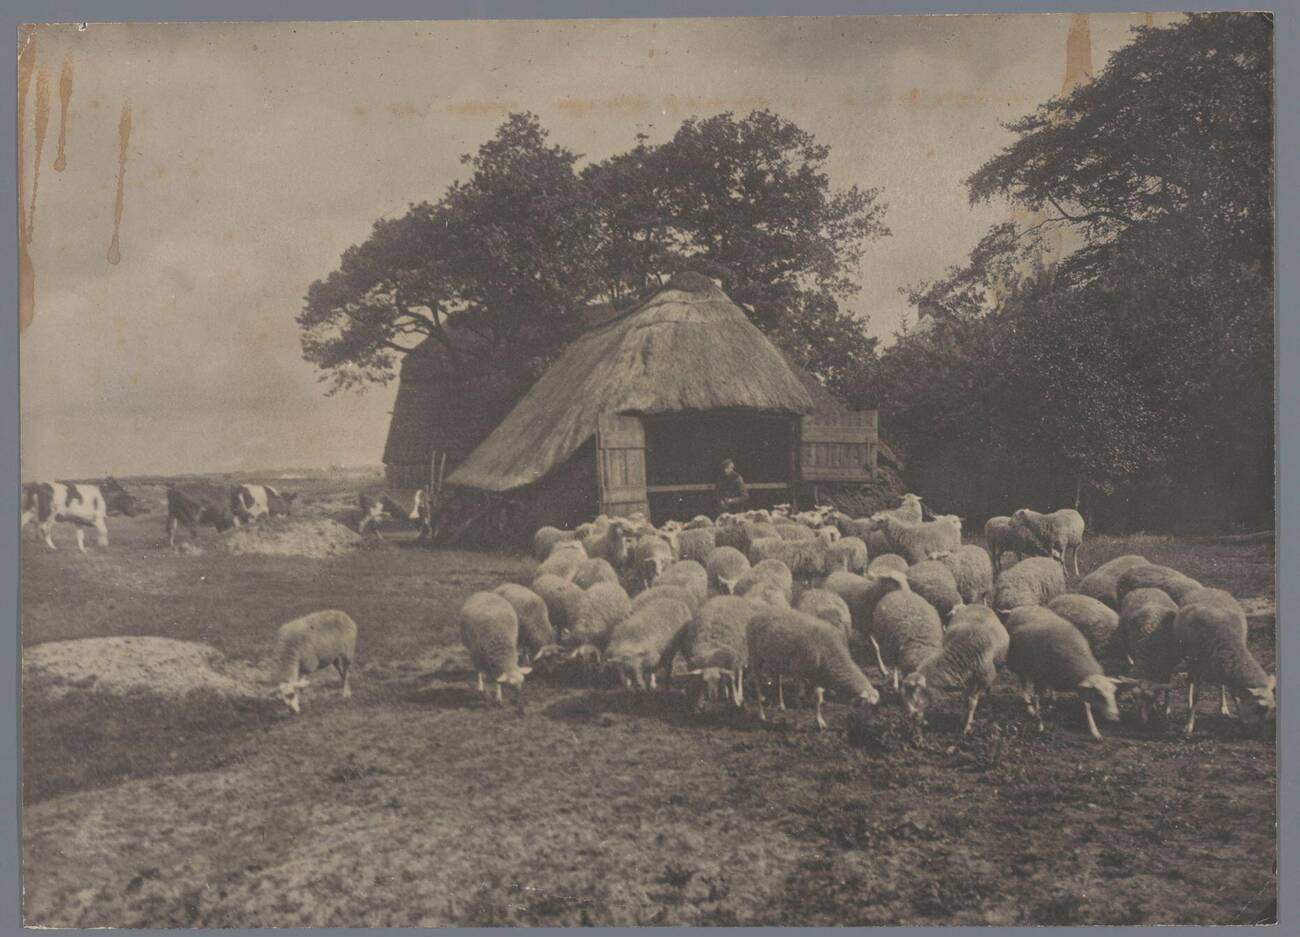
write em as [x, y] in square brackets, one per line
[250, 503]
[82, 505]
[190, 504]
[412, 505]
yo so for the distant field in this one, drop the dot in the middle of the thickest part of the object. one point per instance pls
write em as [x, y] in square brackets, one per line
[417, 804]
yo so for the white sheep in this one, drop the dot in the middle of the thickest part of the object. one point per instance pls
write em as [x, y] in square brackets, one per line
[973, 647]
[716, 646]
[886, 563]
[1096, 621]
[1210, 636]
[489, 629]
[787, 643]
[725, 568]
[934, 582]
[794, 531]
[651, 555]
[689, 575]
[562, 599]
[860, 594]
[972, 568]
[829, 534]
[546, 538]
[564, 559]
[646, 640]
[654, 593]
[1146, 633]
[603, 606]
[535, 629]
[906, 630]
[1059, 532]
[697, 544]
[829, 607]
[772, 573]
[308, 644]
[1155, 576]
[1101, 583]
[593, 570]
[1033, 581]
[608, 542]
[847, 553]
[915, 542]
[1047, 652]
[908, 511]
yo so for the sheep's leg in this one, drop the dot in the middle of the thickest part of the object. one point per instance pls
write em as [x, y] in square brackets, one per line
[1076, 559]
[971, 703]
[880, 661]
[481, 688]
[653, 685]
[500, 701]
[897, 673]
[342, 665]
[1169, 703]
[1223, 701]
[821, 695]
[1191, 708]
[758, 694]
[738, 686]
[1092, 723]
[780, 693]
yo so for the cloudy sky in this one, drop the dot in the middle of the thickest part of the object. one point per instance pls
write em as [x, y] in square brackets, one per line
[259, 152]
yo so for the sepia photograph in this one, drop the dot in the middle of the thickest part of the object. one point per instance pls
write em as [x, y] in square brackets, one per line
[706, 471]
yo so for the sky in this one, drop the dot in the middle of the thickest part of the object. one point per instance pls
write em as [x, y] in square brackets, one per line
[259, 152]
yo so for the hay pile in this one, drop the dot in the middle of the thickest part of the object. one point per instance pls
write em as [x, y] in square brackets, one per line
[134, 665]
[318, 538]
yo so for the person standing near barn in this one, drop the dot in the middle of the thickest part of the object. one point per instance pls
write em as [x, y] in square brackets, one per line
[732, 495]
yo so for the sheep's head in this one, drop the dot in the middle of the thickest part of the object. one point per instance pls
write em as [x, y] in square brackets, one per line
[1259, 703]
[515, 677]
[288, 694]
[653, 567]
[914, 693]
[709, 683]
[1099, 691]
[891, 580]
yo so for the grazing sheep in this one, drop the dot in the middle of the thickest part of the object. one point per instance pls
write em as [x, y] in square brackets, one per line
[535, 629]
[562, 599]
[765, 593]
[646, 640]
[1102, 581]
[1210, 636]
[1154, 576]
[1059, 532]
[772, 573]
[886, 563]
[1096, 621]
[973, 569]
[1146, 633]
[725, 568]
[788, 643]
[308, 644]
[1033, 581]
[489, 630]
[973, 646]
[546, 538]
[906, 630]
[1004, 536]
[564, 559]
[860, 594]
[594, 570]
[829, 607]
[603, 606]
[1220, 597]
[651, 555]
[848, 554]
[1047, 652]
[689, 575]
[915, 542]
[934, 582]
[795, 532]
[654, 593]
[716, 646]
[697, 544]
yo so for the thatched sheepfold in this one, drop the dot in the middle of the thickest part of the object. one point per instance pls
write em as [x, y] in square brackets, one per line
[637, 414]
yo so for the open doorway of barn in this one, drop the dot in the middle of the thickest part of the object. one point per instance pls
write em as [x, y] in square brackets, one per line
[684, 453]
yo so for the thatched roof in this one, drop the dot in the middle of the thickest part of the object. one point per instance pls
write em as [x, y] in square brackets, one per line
[688, 347]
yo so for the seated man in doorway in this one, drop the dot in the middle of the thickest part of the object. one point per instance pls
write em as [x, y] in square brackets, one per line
[732, 496]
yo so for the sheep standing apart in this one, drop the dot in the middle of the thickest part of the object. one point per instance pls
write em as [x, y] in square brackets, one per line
[646, 640]
[1102, 581]
[716, 646]
[1047, 652]
[848, 554]
[1096, 621]
[546, 538]
[564, 559]
[909, 511]
[594, 570]
[562, 599]
[689, 575]
[1211, 637]
[1033, 581]
[725, 568]
[772, 573]
[489, 630]
[972, 568]
[651, 555]
[535, 629]
[1146, 633]
[1154, 576]
[787, 643]
[829, 607]
[1059, 532]
[973, 646]
[886, 563]
[603, 606]
[934, 582]
[906, 630]
[308, 644]
[697, 544]
[915, 542]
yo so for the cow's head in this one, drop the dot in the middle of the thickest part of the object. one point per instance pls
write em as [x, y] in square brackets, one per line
[117, 500]
[280, 504]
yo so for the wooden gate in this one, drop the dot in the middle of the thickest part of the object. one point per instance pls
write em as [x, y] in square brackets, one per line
[839, 447]
[620, 464]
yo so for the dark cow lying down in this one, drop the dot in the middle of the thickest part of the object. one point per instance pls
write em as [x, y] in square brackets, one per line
[411, 505]
[190, 504]
[83, 505]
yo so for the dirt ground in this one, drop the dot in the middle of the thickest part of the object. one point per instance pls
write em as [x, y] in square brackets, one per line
[417, 803]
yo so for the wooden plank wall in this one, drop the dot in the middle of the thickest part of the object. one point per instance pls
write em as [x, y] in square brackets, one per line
[620, 463]
[843, 446]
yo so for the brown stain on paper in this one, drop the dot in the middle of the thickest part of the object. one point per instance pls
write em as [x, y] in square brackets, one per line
[65, 98]
[124, 142]
[42, 125]
[26, 272]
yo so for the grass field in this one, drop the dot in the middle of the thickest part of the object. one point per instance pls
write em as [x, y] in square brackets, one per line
[416, 803]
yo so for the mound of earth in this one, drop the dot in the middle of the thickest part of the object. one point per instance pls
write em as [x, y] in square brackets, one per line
[131, 665]
[285, 536]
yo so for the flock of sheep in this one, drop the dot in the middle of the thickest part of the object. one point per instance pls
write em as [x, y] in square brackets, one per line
[777, 598]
